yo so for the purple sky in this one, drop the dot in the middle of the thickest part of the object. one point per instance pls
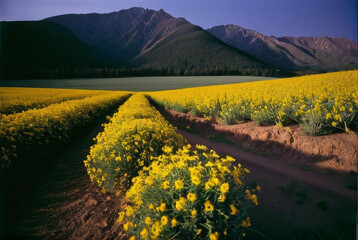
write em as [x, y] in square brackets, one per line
[271, 17]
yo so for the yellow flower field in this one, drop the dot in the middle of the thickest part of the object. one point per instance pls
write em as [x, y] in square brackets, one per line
[34, 133]
[320, 103]
[14, 100]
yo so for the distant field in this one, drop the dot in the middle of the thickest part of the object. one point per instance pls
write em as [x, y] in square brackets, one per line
[133, 84]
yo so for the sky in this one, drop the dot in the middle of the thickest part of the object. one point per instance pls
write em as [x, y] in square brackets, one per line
[333, 18]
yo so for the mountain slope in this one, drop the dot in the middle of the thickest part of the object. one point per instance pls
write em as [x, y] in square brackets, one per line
[140, 37]
[121, 35]
[192, 48]
[34, 46]
[291, 52]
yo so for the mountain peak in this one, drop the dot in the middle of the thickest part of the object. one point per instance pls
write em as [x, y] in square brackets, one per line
[134, 28]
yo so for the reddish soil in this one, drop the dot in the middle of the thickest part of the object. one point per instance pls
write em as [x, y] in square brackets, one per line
[337, 151]
[65, 204]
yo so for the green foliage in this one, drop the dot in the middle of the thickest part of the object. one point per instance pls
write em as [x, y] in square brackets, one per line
[233, 114]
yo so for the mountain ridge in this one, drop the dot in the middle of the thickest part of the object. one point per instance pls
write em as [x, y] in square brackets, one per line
[288, 51]
[142, 42]
[124, 34]
[139, 37]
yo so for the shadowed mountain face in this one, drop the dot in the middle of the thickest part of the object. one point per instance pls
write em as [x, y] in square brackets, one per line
[291, 52]
[121, 35]
[140, 37]
[28, 48]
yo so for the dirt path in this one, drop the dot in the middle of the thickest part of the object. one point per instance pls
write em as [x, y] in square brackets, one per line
[274, 167]
[337, 152]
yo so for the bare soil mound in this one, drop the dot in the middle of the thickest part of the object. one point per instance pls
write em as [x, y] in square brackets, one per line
[337, 151]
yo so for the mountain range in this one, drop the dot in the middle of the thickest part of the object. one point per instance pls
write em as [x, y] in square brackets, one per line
[145, 41]
[146, 38]
[291, 52]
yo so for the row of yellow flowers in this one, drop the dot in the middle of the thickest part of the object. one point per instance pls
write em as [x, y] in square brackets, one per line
[13, 100]
[34, 133]
[320, 103]
[135, 134]
[173, 192]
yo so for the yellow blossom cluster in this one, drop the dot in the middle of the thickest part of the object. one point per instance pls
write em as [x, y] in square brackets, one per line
[13, 100]
[33, 134]
[320, 103]
[135, 134]
[189, 194]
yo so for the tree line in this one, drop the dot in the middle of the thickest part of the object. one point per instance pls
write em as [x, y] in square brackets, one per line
[117, 72]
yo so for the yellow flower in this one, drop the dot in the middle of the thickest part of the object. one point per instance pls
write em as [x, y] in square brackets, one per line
[180, 204]
[201, 147]
[195, 180]
[129, 211]
[127, 226]
[166, 185]
[164, 220]
[179, 184]
[233, 209]
[162, 207]
[144, 233]
[174, 222]
[199, 231]
[258, 188]
[121, 216]
[147, 221]
[222, 198]
[208, 206]
[246, 223]
[151, 206]
[193, 213]
[191, 197]
[214, 236]
[224, 188]
[132, 238]
[338, 117]
[156, 229]
[167, 149]
[254, 199]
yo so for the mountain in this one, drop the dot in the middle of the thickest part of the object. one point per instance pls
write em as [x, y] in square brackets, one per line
[139, 37]
[129, 42]
[32, 47]
[121, 35]
[291, 52]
